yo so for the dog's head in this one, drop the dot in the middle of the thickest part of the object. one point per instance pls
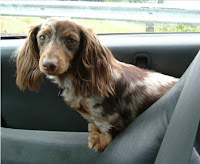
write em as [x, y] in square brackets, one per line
[59, 46]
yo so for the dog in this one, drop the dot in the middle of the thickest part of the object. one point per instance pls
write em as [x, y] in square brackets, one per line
[108, 93]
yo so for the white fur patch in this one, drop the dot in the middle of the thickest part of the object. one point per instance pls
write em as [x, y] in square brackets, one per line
[115, 74]
[104, 126]
[155, 80]
[68, 93]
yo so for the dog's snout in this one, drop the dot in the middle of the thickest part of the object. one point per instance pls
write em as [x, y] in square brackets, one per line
[50, 65]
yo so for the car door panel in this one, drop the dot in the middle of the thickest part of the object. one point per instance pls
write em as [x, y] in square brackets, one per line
[167, 53]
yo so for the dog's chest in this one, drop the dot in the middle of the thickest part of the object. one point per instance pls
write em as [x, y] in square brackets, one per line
[87, 107]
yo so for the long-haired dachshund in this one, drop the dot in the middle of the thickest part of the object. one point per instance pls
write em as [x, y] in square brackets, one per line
[108, 93]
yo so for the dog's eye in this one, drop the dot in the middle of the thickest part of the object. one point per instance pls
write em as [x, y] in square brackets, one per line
[71, 41]
[42, 37]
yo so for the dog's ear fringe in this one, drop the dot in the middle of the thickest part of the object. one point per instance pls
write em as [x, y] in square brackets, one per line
[28, 73]
[93, 76]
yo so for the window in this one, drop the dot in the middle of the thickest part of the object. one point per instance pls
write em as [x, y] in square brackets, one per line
[104, 16]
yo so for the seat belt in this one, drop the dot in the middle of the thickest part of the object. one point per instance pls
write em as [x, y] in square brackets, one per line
[179, 138]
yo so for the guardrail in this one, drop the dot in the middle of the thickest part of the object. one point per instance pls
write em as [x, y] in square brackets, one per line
[146, 13]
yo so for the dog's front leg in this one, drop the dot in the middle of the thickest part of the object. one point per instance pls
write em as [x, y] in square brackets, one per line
[97, 140]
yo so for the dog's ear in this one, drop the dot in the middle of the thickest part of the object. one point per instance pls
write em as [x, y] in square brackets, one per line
[28, 73]
[93, 76]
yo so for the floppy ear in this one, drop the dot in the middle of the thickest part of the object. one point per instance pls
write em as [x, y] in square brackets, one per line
[93, 66]
[28, 73]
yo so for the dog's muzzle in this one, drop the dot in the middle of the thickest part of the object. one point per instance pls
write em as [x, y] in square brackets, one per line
[50, 65]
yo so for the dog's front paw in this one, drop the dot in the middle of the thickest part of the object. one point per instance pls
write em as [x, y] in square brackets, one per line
[99, 141]
[93, 128]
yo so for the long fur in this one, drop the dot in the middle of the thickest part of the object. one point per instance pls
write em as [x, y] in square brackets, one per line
[108, 93]
[28, 72]
[92, 67]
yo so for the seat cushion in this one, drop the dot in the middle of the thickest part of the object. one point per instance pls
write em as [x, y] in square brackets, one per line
[31, 146]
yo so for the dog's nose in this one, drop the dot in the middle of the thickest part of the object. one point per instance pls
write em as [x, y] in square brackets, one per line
[50, 65]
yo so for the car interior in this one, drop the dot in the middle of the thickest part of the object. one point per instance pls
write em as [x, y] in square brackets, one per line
[38, 127]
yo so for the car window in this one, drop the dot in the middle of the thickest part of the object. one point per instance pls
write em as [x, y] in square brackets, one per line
[104, 16]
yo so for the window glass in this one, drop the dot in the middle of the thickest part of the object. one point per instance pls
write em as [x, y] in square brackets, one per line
[104, 16]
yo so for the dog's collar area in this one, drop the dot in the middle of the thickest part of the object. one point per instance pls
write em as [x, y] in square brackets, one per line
[60, 92]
